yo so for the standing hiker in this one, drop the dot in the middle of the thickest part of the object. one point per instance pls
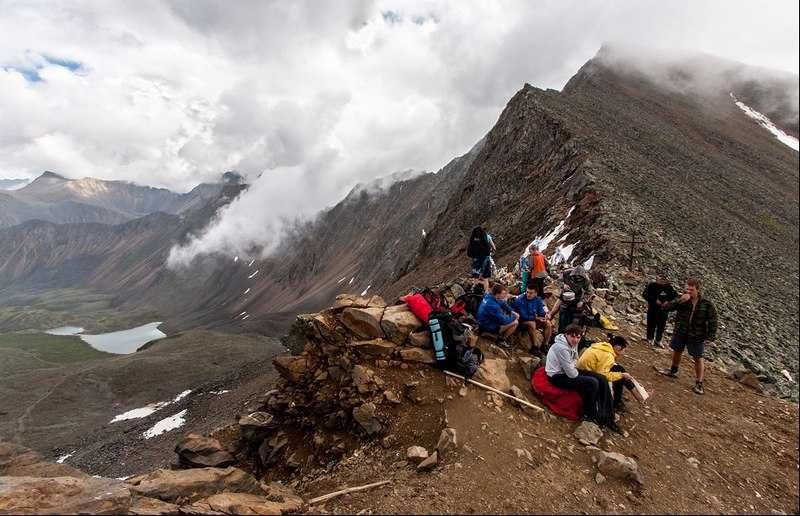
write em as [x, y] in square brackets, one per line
[539, 268]
[533, 317]
[495, 316]
[695, 323]
[524, 270]
[657, 294]
[480, 248]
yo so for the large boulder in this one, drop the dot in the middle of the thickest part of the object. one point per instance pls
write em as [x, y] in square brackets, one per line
[398, 322]
[197, 451]
[145, 506]
[366, 418]
[193, 484]
[364, 323]
[19, 461]
[423, 356]
[416, 454]
[492, 372]
[420, 339]
[63, 495]
[354, 301]
[378, 348]
[242, 503]
[271, 449]
[294, 368]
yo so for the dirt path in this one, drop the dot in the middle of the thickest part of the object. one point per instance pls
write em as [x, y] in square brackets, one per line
[732, 450]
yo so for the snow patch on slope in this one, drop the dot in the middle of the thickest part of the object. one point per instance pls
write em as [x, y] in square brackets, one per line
[766, 123]
[165, 425]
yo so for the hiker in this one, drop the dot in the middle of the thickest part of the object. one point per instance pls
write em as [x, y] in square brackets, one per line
[539, 268]
[601, 358]
[480, 248]
[495, 316]
[566, 307]
[695, 323]
[562, 372]
[533, 317]
[524, 270]
[578, 281]
[657, 294]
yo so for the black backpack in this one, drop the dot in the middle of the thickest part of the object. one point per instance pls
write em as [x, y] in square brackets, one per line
[471, 303]
[478, 245]
[462, 358]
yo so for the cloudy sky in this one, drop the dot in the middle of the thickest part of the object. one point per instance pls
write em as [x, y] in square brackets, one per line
[314, 95]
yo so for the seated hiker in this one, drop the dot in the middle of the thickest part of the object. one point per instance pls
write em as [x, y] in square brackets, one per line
[539, 268]
[495, 316]
[562, 372]
[480, 248]
[601, 358]
[533, 317]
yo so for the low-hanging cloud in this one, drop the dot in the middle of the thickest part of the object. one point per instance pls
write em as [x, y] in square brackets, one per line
[307, 99]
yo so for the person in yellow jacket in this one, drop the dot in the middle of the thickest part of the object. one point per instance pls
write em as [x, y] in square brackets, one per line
[601, 357]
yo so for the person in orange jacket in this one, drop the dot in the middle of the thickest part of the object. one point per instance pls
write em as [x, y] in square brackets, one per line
[539, 268]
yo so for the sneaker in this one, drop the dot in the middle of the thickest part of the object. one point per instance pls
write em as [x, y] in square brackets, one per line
[666, 372]
[503, 344]
[698, 388]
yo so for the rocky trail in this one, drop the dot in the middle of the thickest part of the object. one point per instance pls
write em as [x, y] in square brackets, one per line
[360, 403]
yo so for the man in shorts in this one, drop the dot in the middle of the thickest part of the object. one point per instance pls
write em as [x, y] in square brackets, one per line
[695, 323]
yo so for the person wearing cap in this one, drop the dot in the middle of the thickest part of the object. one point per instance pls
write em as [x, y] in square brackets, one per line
[601, 357]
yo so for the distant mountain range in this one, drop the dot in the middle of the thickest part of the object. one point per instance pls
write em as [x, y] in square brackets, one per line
[55, 198]
[12, 184]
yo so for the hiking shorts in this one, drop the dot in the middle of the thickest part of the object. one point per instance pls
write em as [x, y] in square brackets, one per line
[695, 349]
[482, 267]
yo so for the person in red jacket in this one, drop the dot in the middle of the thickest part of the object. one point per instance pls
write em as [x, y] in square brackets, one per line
[539, 268]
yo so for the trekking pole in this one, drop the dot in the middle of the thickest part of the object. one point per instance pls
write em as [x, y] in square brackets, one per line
[501, 393]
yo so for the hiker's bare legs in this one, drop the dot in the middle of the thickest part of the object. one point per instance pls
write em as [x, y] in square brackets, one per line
[530, 327]
[676, 358]
[485, 282]
[547, 331]
[508, 329]
[699, 369]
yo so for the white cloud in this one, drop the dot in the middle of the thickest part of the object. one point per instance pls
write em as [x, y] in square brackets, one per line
[316, 95]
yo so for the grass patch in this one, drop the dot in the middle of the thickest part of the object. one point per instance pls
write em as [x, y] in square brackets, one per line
[54, 349]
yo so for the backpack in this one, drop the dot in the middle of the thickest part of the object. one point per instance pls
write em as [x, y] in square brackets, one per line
[471, 303]
[478, 245]
[462, 358]
[435, 299]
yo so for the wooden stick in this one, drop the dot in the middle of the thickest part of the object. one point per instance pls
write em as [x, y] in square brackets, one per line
[329, 496]
[501, 393]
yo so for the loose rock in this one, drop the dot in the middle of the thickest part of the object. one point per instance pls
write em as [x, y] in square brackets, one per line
[493, 373]
[366, 418]
[448, 441]
[429, 463]
[588, 433]
[364, 323]
[617, 465]
[416, 454]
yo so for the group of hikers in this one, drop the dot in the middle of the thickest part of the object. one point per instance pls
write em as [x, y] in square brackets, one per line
[571, 361]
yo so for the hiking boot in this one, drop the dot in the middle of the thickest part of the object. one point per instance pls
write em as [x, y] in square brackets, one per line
[698, 388]
[614, 427]
[502, 343]
[667, 372]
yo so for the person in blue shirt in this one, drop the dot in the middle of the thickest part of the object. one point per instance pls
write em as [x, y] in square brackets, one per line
[533, 317]
[495, 316]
